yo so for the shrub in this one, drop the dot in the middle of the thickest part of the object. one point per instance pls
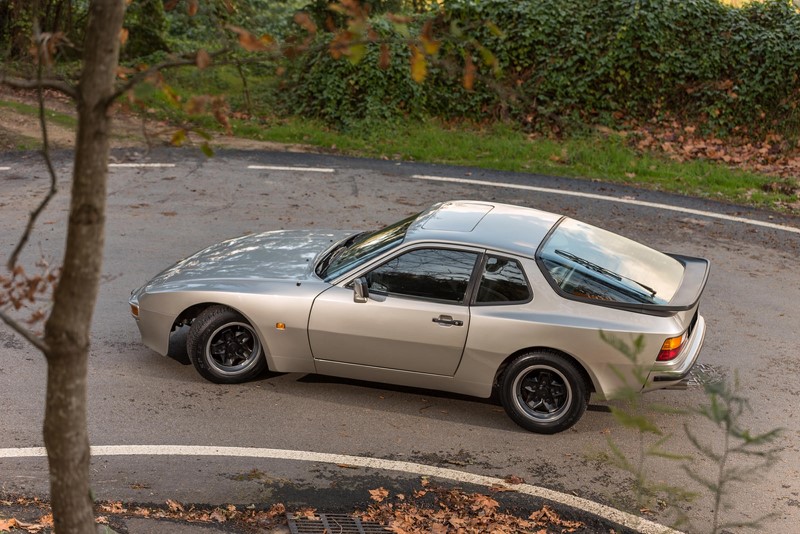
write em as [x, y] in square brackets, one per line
[349, 95]
[725, 67]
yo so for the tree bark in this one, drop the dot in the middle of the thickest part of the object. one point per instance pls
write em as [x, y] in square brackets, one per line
[67, 330]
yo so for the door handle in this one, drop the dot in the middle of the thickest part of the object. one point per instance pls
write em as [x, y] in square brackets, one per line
[447, 320]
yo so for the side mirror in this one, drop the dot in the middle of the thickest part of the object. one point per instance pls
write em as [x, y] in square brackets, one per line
[360, 290]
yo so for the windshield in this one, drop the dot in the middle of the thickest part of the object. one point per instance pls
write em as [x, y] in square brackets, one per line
[361, 248]
[585, 261]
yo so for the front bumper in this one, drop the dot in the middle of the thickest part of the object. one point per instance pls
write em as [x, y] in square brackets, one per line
[154, 327]
[674, 374]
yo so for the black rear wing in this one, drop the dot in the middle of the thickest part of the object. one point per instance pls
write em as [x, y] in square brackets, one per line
[695, 276]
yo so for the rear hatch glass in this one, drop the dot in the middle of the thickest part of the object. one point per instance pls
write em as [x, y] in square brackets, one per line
[586, 262]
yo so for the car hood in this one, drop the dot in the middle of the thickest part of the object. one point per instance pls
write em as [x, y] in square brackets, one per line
[278, 255]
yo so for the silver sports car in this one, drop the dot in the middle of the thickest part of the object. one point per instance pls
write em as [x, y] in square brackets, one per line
[468, 297]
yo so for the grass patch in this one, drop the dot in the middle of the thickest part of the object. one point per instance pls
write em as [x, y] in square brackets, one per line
[62, 119]
[592, 156]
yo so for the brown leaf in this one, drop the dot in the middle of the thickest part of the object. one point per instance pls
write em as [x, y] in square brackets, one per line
[196, 105]
[513, 479]
[250, 42]
[123, 36]
[192, 7]
[398, 19]
[469, 73]
[378, 495]
[170, 5]
[484, 502]
[174, 506]
[202, 59]
[303, 20]
[347, 466]
[220, 110]
[429, 44]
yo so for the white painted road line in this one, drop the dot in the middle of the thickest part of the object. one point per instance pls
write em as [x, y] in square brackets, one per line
[300, 169]
[5, 168]
[620, 200]
[143, 165]
[612, 514]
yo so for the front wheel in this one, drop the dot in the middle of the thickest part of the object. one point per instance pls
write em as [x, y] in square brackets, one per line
[223, 347]
[544, 392]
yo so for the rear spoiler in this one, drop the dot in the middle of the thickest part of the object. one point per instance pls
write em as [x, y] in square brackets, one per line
[695, 276]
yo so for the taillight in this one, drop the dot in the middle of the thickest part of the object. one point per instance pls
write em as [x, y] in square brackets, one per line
[671, 348]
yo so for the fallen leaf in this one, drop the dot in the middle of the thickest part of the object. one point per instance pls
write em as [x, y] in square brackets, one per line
[174, 506]
[378, 495]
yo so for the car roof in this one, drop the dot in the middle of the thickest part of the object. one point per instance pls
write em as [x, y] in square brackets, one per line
[504, 227]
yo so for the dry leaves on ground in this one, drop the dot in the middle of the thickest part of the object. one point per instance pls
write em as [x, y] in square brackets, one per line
[773, 155]
[431, 510]
[455, 512]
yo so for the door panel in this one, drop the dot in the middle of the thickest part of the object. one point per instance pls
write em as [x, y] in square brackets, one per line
[388, 331]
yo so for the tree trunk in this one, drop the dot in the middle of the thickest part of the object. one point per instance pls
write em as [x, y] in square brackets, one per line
[67, 330]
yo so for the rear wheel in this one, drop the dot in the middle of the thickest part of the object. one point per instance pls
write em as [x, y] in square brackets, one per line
[544, 392]
[224, 347]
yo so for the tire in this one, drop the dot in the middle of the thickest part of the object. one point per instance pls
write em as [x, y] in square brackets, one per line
[223, 347]
[544, 392]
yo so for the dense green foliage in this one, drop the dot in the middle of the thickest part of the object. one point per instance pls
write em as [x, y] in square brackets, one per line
[147, 25]
[723, 67]
[188, 32]
[351, 94]
[540, 63]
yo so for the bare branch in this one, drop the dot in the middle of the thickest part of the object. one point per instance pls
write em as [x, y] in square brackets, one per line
[12, 261]
[55, 85]
[33, 339]
[139, 77]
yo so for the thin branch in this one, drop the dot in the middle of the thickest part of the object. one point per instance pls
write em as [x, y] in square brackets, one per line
[12, 261]
[33, 339]
[139, 77]
[40, 83]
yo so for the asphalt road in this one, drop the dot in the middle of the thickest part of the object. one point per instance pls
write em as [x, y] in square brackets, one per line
[160, 214]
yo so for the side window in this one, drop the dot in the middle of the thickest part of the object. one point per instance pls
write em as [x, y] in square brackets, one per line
[502, 282]
[435, 274]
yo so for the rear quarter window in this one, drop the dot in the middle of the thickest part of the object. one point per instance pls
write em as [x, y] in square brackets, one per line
[586, 262]
[502, 282]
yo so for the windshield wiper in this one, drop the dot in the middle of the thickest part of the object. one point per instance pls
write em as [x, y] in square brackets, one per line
[602, 270]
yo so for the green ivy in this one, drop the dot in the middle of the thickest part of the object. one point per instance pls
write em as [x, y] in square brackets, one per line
[352, 95]
[727, 69]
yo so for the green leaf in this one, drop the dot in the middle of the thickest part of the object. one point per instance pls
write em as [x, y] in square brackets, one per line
[356, 53]
[178, 138]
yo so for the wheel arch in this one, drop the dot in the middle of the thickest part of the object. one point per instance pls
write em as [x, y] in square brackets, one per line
[190, 313]
[587, 376]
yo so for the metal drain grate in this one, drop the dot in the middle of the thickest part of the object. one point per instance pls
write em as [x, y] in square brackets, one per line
[333, 524]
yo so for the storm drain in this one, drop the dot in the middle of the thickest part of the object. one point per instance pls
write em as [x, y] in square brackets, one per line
[333, 524]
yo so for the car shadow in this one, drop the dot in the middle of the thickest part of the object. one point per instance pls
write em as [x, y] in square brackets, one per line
[489, 407]
[484, 412]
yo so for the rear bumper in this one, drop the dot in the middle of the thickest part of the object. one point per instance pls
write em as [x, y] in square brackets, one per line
[675, 374]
